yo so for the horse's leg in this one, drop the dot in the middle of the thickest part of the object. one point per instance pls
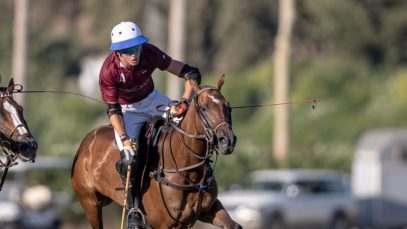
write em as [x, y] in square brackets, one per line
[219, 217]
[93, 210]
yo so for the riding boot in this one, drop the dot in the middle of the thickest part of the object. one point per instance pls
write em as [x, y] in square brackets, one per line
[134, 217]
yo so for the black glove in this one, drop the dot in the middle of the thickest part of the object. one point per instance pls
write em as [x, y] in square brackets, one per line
[190, 73]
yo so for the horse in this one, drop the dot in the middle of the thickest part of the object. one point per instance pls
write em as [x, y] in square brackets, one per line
[16, 140]
[180, 187]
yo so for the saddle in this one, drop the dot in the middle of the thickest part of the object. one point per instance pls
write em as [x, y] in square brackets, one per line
[149, 136]
[148, 139]
[153, 130]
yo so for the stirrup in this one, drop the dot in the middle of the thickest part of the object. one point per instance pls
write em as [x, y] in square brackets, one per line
[138, 225]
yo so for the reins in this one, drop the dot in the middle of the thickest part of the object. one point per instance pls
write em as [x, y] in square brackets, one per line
[314, 101]
[314, 105]
[208, 136]
[56, 92]
[207, 170]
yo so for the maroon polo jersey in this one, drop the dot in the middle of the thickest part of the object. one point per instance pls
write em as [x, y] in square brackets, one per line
[125, 86]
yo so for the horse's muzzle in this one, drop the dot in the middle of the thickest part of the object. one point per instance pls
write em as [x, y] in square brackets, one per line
[27, 149]
[225, 142]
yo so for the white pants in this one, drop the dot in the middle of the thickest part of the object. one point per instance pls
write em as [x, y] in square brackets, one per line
[136, 114]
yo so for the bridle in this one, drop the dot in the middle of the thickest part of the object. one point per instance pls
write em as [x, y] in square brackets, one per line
[207, 137]
[209, 132]
[21, 125]
[204, 160]
[7, 144]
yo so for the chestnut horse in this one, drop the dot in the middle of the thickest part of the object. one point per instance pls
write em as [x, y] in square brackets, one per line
[16, 141]
[181, 187]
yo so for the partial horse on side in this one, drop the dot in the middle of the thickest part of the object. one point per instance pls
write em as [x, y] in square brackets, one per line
[16, 141]
[181, 187]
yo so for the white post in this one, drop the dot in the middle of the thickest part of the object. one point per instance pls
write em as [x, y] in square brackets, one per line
[281, 80]
[176, 47]
[20, 46]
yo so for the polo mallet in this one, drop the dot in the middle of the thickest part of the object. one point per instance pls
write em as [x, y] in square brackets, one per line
[126, 190]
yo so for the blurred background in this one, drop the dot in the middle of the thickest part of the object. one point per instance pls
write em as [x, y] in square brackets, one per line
[349, 55]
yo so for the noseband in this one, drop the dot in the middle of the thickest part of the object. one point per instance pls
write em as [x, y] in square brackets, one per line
[14, 130]
[7, 144]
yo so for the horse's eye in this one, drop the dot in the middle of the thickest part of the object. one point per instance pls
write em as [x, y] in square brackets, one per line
[203, 108]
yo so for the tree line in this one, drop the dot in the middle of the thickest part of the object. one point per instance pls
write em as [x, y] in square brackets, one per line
[350, 55]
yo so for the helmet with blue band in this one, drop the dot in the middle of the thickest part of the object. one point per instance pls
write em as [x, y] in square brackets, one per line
[126, 35]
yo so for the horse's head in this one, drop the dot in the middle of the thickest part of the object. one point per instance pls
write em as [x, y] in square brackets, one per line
[214, 111]
[15, 137]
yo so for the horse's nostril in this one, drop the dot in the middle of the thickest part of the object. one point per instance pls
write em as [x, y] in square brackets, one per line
[34, 144]
[223, 140]
[22, 147]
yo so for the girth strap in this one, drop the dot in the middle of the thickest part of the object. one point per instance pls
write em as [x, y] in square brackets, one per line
[207, 178]
[160, 179]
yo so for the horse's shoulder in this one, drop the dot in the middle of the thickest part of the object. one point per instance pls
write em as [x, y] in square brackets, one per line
[104, 128]
[105, 131]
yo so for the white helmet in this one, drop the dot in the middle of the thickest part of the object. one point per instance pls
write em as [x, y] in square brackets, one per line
[125, 35]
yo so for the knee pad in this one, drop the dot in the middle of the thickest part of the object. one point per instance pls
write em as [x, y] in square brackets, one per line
[121, 169]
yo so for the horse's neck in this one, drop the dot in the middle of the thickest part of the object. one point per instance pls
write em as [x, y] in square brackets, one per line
[179, 151]
[192, 125]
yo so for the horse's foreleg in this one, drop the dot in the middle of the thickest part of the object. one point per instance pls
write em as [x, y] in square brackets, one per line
[93, 211]
[219, 217]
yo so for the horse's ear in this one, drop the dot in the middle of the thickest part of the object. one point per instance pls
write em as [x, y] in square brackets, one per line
[194, 85]
[11, 82]
[221, 81]
[10, 87]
